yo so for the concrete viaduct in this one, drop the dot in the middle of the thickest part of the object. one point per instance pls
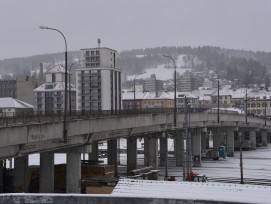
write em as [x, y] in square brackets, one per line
[21, 137]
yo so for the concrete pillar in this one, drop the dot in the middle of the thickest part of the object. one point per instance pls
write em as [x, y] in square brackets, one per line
[216, 137]
[146, 162]
[94, 151]
[196, 147]
[230, 142]
[264, 138]
[204, 140]
[73, 176]
[132, 153]
[21, 178]
[1, 176]
[47, 173]
[163, 149]
[153, 152]
[179, 148]
[113, 155]
[252, 136]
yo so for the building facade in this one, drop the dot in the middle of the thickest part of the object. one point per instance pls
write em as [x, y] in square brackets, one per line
[153, 85]
[98, 81]
[20, 88]
[50, 97]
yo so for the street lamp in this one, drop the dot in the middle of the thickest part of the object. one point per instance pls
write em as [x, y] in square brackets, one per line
[135, 90]
[241, 157]
[70, 99]
[217, 93]
[175, 89]
[245, 99]
[66, 82]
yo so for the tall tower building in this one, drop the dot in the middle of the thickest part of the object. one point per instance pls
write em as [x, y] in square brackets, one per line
[98, 81]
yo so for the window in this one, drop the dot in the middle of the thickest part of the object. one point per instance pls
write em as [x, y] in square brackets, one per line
[87, 53]
[97, 52]
[92, 53]
[49, 86]
[53, 77]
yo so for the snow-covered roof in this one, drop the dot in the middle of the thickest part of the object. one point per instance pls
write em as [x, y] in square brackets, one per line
[56, 86]
[13, 103]
[156, 95]
[130, 95]
[193, 191]
[57, 69]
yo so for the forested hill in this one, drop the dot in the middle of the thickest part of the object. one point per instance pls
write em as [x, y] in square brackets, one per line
[231, 63]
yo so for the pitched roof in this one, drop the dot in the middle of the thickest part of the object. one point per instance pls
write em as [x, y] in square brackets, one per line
[57, 69]
[13, 103]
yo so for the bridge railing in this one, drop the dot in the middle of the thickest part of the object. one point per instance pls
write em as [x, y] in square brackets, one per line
[37, 117]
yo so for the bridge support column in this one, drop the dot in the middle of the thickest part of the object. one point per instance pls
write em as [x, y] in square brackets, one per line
[131, 154]
[146, 162]
[94, 151]
[21, 174]
[163, 149]
[252, 137]
[216, 138]
[264, 137]
[113, 154]
[179, 148]
[1, 176]
[204, 139]
[196, 147]
[153, 152]
[47, 172]
[230, 143]
[73, 176]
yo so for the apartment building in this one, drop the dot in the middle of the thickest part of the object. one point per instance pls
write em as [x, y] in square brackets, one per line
[50, 96]
[153, 85]
[98, 82]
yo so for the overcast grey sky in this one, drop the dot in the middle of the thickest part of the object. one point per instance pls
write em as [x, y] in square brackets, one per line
[128, 24]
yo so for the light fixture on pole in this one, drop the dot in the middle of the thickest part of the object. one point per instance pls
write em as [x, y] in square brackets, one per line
[135, 90]
[218, 119]
[66, 83]
[175, 90]
[70, 100]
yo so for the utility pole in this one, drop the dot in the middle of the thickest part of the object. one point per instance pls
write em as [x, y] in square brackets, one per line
[187, 163]
[241, 158]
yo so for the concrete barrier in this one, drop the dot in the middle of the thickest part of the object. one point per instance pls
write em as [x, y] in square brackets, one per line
[93, 199]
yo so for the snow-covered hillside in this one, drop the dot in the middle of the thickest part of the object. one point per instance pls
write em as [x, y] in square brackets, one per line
[164, 71]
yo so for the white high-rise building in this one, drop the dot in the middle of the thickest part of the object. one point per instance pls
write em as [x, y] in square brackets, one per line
[98, 82]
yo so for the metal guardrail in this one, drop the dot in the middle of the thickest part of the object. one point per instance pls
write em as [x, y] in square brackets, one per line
[35, 117]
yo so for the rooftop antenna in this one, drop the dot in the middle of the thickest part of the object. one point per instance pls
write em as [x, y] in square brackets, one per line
[99, 42]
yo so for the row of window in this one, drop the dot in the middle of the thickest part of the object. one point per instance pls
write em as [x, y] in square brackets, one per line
[92, 53]
[92, 65]
[92, 59]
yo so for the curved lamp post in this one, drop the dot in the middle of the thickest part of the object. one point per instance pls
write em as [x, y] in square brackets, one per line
[245, 99]
[217, 93]
[175, 89]
[70, 99]
[134, 88]
[66, 83]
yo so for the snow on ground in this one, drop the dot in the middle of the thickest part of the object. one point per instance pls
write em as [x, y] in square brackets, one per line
[193, 190]
[160, 72]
